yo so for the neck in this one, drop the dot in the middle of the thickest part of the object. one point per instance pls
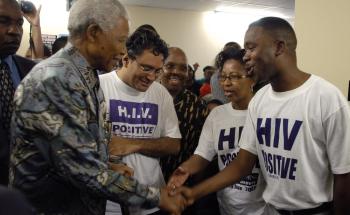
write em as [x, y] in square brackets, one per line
[288, 80]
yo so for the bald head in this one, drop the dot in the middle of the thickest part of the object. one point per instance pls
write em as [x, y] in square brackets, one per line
[175, 71]
[278, 29]
[177, 51]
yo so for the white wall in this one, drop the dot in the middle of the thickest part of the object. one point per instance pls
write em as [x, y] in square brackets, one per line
[323, 33]
[200, 34]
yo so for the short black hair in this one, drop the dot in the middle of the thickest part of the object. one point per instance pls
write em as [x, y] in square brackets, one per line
[228, 54]
[279, 29]
[59, 43]
[144, 39]
[233, 45]
[208, 68]
[147, 26]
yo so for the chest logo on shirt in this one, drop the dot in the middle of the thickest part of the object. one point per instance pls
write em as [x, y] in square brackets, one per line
[132, 119]
[278, 166]
[228, 140]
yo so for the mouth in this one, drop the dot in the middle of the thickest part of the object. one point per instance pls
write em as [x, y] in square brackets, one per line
[249, 70]
[173, 79]
[228, 93]
[145, 83]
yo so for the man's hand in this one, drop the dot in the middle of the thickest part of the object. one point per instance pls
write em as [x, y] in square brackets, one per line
[186, 192]
[33, 17]
[122, 169]
[120, 146]
[178, 178]
[174, 204]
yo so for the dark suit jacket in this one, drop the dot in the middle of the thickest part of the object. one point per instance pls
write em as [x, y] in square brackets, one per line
[23, 66]
[14, 203]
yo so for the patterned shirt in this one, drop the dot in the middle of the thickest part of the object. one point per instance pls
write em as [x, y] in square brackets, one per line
[59, 153]
[191, 112]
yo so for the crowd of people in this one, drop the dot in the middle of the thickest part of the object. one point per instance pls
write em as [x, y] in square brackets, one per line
[114, 122]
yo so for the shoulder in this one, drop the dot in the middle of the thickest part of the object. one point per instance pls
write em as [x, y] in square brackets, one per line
[158, 89]
[24, 64]
[54, 72]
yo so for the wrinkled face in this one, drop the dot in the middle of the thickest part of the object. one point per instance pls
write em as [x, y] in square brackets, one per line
[259, 55]
[108, 47]
[235, 83]
[175, 72]
[11, 21]
[143, 70]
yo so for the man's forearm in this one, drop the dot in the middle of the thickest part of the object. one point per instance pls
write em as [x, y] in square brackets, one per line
[158, 147]
[342, 194]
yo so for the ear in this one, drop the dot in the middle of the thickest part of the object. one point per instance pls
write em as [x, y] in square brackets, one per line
[126, 61]
[280, 47]
[93, 32]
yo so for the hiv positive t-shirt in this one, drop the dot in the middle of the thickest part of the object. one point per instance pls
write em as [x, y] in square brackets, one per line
[136, 114]
[302, 138]
[220, 136]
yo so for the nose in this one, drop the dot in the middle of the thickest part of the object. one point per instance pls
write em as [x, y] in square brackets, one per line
[152, 76]
[246, 56]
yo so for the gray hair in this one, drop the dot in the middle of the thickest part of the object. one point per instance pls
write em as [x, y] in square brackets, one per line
[101, 12]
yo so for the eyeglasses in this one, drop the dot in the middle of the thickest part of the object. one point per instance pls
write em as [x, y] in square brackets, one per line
[222, 78]
[148, 69]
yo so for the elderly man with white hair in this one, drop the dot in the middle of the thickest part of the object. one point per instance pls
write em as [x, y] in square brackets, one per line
[60, 136]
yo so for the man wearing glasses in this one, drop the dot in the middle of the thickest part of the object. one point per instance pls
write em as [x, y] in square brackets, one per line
[141, 112]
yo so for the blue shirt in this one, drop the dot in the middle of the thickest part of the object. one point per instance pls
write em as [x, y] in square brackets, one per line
[16, 78]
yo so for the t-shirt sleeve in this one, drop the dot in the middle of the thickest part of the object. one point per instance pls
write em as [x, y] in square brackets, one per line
[337, 128]
[206, 147]
[248, 138]
[171, 124]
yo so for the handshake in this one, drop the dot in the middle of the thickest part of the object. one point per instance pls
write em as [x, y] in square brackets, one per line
[175, 197]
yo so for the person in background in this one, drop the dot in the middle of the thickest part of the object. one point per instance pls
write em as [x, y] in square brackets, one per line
[219, 139]
[141, 110]
[191, 112]
[60, 135]
[301, 127]
[13, 68]
[36, 45]
[59, 43]
[191, 83]
[205, 88]
[29, 54]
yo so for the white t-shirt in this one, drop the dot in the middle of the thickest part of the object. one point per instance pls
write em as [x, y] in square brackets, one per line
[220, 135]
[302, 138]
[136, 114]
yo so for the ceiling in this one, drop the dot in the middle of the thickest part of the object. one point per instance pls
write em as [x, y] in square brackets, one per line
[284, 7]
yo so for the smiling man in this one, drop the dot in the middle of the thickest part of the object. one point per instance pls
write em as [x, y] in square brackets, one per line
[144, 122]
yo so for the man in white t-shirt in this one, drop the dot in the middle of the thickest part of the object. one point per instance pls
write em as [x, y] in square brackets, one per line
[141, 112]
[297, 127]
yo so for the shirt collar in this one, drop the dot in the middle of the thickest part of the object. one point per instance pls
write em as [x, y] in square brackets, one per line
[90, 74]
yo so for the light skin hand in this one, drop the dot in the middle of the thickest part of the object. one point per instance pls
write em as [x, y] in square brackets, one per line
[34, 17]
[173, 204]
[122, 169]
[120, 147]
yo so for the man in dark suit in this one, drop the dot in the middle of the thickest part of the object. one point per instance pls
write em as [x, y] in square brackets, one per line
[13, 68]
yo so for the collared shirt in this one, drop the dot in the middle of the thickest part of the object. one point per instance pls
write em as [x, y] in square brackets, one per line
[191, 112]
[16, 79]
[59, 156]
